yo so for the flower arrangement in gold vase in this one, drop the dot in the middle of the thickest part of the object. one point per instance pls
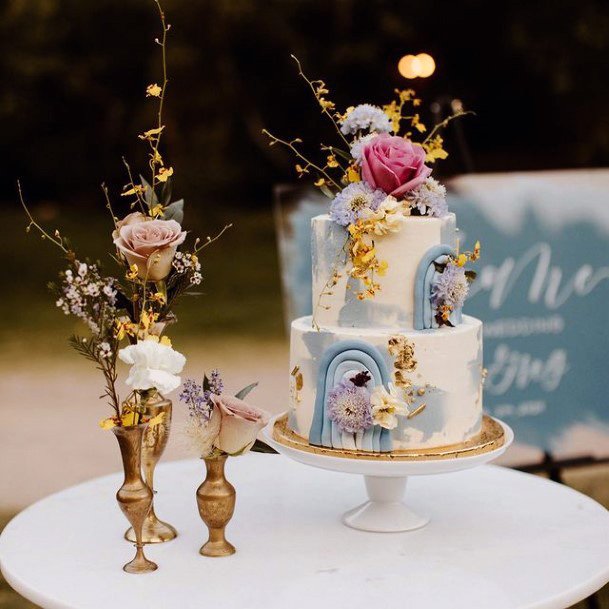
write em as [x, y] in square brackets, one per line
[127, 314]
[220, 425]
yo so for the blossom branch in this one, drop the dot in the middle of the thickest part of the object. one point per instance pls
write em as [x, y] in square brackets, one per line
[290, 145]
[57, 239]
[210, 240]
[324, 108]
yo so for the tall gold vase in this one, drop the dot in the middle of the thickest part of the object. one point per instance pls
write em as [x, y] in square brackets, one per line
[216, 501]
[134, 496]
[153, 446]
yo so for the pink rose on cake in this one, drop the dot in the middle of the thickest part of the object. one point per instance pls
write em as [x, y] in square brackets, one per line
[149, 244]
[393, 164]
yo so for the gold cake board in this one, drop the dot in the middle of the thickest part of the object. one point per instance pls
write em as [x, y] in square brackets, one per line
[490, 438]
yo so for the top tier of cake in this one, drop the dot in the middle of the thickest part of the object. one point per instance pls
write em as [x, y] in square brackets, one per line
[408, 252]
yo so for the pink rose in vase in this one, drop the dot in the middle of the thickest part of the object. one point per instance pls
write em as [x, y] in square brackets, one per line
[394, 165]
[150, 245]
[240, 423]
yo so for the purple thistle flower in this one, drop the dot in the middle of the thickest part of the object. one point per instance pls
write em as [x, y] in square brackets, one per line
[350, 408]
[450, 287]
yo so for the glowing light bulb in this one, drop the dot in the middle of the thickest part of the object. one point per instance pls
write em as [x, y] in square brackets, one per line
[427, 65]
[416, 66]
[407, 68]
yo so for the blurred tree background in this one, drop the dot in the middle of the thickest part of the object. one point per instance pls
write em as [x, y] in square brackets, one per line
[74, 74]
[72, 101]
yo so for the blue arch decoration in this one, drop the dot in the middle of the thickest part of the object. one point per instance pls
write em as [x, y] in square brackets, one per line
[335, 362]
[424, 313]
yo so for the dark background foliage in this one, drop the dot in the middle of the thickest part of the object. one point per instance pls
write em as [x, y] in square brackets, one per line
[73, 75]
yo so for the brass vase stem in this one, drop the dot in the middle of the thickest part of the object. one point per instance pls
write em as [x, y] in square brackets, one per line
[216, 502]
[134, 496]
[153, 445]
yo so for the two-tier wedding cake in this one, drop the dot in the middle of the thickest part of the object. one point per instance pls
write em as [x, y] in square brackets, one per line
[387, 362]
[381, 374]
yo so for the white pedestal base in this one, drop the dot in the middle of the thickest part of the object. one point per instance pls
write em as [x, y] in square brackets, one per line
[385, 512]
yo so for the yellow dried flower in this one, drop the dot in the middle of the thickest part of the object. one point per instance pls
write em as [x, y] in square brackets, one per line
[151, 133]
[132, 273]
[153, 90]
[331, 161]
[434, 149]
[164, 174]
[353, 174]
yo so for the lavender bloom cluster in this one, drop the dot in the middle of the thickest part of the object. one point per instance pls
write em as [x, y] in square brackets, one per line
[184, 263]
[429, 199]
[365, 117]
[349, 407]
[450, 287]
[85, 293]
[198, 399]
[349, 204]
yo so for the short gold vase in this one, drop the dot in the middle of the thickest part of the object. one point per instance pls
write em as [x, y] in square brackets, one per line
[134, 496]
[216, 501]
[153, 446]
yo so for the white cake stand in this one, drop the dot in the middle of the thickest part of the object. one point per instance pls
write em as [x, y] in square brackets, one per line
[386, 477]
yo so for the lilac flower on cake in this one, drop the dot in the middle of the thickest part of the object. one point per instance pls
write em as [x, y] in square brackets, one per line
[349, 204]
[450, 287]
[429, 199]
[349, 407]
[365, 117]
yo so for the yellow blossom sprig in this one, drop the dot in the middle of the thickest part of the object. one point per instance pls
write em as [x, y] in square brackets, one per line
[394, 110]
[433, 143]
[155, 158]
[462, 258]
[308, 164]
[134, 189]
[319, 90]
[363, 258]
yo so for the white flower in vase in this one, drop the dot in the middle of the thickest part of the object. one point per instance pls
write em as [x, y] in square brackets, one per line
[154, 365]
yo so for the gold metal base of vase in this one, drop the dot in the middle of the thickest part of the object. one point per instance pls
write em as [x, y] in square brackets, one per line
[491, 437]
[217, 548]
[216, 502]
[140, 564]
[153, 530]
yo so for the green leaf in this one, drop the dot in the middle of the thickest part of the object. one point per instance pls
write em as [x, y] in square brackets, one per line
[262, 447]
[206, 385]
[341, 153]
[241, 394]
[149, 195]
[166, 192]
[175, 211]
[327, 191]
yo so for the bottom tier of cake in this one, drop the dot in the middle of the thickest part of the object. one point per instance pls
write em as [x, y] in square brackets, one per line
[437, 374]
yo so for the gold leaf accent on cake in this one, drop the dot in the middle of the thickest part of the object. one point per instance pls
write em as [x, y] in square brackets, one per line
[297, 384]
[417, 411]
[403, 351]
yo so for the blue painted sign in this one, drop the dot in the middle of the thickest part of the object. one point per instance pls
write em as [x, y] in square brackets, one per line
[543, 294]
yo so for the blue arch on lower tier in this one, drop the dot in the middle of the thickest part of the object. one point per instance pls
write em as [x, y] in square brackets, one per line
[348, 354]
[424, 312]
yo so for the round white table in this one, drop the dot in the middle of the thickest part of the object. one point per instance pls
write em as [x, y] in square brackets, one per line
[498, 538]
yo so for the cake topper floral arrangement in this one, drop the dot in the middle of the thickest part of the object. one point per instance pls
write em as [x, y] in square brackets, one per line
[377, 174]
[127, 315]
